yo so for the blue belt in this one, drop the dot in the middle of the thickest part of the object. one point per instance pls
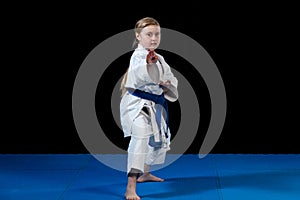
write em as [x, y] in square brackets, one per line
[158, 100]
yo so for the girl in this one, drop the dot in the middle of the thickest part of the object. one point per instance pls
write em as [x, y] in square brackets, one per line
[146, 85]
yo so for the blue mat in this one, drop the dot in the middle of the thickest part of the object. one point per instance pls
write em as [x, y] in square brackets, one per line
[216, 176]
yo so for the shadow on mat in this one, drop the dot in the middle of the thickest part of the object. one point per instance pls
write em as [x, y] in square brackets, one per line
[184, 186]
[283, 181]
[111, 190]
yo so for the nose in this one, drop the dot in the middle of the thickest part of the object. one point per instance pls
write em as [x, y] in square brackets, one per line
[153, 37]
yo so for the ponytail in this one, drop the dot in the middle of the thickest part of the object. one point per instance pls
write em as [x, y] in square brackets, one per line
[123, 88]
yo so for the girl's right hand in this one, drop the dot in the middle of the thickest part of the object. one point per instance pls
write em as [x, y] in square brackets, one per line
[151, 57]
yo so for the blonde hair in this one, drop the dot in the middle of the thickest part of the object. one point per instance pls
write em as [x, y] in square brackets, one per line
[142, 23]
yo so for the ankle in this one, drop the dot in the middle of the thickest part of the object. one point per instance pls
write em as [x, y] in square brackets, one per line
[146, 173]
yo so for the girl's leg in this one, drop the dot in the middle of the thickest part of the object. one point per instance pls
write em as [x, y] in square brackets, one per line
[135, 167]
[137, 152]
[147, 176]
[154, 156]
[131, 187]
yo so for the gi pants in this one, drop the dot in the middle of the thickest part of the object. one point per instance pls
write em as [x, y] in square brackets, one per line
[139, 150]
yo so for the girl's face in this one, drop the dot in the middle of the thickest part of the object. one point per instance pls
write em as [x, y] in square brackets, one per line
[149, 37]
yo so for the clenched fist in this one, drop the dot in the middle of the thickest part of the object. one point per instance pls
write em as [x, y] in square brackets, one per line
[151, 57]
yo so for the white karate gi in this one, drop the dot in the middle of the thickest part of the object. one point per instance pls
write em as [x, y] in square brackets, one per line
[135, 122]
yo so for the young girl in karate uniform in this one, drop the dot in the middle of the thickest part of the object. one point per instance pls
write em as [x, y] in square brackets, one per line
[146, 86]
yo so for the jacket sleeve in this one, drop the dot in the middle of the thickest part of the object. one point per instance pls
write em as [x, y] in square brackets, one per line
[172, 93]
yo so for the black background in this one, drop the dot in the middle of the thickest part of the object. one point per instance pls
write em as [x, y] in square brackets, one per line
[253, 48]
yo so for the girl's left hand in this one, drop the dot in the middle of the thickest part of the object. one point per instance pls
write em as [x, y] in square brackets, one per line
[165, 85]
[168, 82]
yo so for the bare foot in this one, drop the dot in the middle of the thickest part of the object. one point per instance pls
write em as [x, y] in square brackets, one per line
[131, 189]
[147, 177]
[131, 195]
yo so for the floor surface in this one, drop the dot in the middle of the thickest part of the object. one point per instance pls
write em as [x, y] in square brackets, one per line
[214, 177]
